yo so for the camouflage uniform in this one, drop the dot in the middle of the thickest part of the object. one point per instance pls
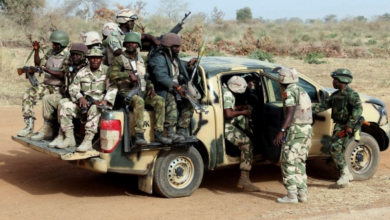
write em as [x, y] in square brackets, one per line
[346, 110]
[92, 84]
[234, 134]
[114, 42]
[119, 73]
[298, 139]
[35, 93]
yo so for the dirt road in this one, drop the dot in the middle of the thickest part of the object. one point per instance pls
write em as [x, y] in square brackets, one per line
[37, 186]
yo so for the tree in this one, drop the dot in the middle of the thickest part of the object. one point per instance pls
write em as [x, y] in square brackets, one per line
[295, 20]
[21, 11]
[244, 14]
[330, 18]
[84, 8]
[360, 19]
[217, 15]
[174, 9]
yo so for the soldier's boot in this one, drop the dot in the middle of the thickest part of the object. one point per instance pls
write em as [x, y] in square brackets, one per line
[58, 139]
[69, 140]
[345, 177]
[29, 129]
[290, 198]
[86, 145]
[173, 136]
[159, 137]
[245, 183]
[139, 139]
[46, 133]
[302, 195]
[183, 132]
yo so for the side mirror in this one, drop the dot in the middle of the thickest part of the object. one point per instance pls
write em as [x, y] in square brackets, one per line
[323, 95]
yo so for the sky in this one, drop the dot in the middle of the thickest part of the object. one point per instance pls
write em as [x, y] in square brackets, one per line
[275, 9]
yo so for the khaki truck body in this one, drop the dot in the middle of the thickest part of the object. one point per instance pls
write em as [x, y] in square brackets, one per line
[177, 170]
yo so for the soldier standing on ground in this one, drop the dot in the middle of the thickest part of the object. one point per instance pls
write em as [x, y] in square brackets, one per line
[89, 81]
[54, 78]
[297, 132]
[236, 118]
[124, 72]
[169, 75]
[346, 110]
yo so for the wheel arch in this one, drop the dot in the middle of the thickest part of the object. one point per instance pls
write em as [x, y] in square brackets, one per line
[380, 136]
[201, 148]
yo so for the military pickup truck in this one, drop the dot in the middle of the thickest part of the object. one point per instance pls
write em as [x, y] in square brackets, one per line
[177, 170]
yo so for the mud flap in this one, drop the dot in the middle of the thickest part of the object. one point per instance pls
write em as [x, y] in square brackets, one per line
[80, 155]
[145, 183]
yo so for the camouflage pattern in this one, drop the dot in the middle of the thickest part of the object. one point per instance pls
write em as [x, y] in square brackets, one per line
[298, 138]
[343, 75]
[234, 134]
[108, 28]
[172, 109]
[288, 75]
[50, 105]
[237, 84]
[346, 110]
[114, 42]
[33, 94]
[124, 15]
[70, 110]
[90, 38]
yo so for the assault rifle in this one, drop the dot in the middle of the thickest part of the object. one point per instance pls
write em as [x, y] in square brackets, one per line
[355, 130]
[29, 71]
[91, 101]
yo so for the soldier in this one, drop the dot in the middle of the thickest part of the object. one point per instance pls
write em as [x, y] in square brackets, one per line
[125, 71]
[235, 122]
[90, 82]
[296, 135]
[50, 103]
[169, 75]
[91, 39]
[107, 29]
[346, 110]
[54, 77]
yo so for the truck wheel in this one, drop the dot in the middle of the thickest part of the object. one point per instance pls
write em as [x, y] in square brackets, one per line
[363, 158]
[178, 172]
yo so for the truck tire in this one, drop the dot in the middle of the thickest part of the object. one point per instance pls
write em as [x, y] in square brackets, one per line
[362, 157]
[178, 172]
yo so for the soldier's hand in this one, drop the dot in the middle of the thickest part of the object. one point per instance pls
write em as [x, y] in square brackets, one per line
[104, 102]
[83, 102]
[133, 77]
[279, 139]
[35, 45]
[182, 92]
[247, 112]
[151, 93]
[348, 130]
[192, 62]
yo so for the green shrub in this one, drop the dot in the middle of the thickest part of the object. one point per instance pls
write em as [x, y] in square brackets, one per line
[305, 37]
[371, 42]
[217, 39]
[261, 55]
[213, 53]
[312, 58]
[333, 35]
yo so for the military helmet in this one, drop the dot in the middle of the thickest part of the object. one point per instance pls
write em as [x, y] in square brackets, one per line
[79, 48]
[171, 39]
[343, 75]
[288, 75]
[95, 52]
[108, 28]
[237, 84]
[90, 38]
[125, 15]
[133, 37]
[59, 37]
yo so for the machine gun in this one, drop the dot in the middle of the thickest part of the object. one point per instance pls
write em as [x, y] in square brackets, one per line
[29, 71]
[179, 25]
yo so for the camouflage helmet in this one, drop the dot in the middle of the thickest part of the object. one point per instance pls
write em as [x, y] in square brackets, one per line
[343, 75]
[288, 75]
[108, 28]
[95, 52]
[171, 39]
[79, 48]
[125, 15]
[237, 84]
[59, 37]
[133, 37]
[90, 38]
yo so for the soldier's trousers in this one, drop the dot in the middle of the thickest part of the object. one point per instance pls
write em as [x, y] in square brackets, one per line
[33, 94]
[50, 105]
[70, 110]
[235, 136]
[337, 148]
[172, 112]
[294, 155]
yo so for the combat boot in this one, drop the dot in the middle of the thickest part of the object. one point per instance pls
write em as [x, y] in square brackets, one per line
[86, 145]
[173, 136]
[29, 129]
[345, 177]
[290, 198]
[183, 132]
[69, 140]
[46, 133]
[159, 137]
[58, 139]
[139, 139]
[302, 195]
[246, 184]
